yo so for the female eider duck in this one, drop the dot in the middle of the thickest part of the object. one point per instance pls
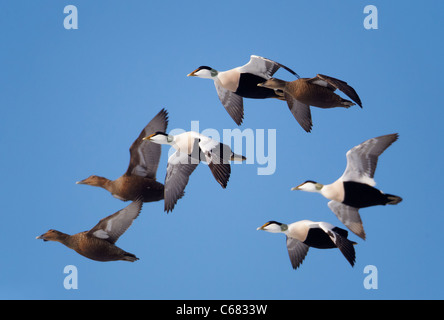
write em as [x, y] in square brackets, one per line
[355, 188]
[318, 92]
[304, 234]
[99, 242]
[140, 177]
[241, 82]
[192, 147]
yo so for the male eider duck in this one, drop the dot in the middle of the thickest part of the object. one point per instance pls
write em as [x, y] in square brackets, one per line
[192, 147]
[241, 82]
[140, 177]
[355, 188]
[318, 92]
[304, 234]
[99, 242]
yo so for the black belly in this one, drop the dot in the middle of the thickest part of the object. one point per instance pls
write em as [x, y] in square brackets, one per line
[248, 87]
[153, 192]
[317, 238]
[360, 195]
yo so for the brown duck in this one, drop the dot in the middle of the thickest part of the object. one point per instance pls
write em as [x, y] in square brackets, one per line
[98, 243]
[318, 92]
[140, 177]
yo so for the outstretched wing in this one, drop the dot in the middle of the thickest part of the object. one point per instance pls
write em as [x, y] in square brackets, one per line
[180, 167]
[113, 226]
[232, 102]
[217, 155]
[362, 159]
[342, 243]
[301, 112]
[297, 251]
[333, 84]
[263, 67]
[349, 216]
[144, 154]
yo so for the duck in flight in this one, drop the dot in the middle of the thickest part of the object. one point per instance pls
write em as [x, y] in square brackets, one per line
[192, 148]
[140, 177]
[302, 235]
[99, 242]
[242, 82]
[302, 93]
[355, 188]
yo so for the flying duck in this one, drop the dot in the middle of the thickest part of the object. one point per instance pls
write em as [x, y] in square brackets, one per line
[302, 235]
[355, 188]
[192, 147]
[241, 82]
[140, 177]
[318, 92]
[99, 242]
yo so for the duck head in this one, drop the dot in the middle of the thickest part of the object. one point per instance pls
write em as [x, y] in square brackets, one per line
[273, 83]
[51, 235]
[309, 186]
[274, 227]
[203, 72]
[93, 180]
[160, 138]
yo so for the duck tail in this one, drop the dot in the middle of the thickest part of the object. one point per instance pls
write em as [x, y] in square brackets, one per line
[236, 157]
[392, 199]
[347, 103]
[129, 257]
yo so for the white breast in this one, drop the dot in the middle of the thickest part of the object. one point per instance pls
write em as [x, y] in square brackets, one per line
[334, 191]
[229, 79]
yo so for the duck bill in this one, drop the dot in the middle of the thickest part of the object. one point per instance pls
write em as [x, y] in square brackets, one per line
[296, 188]
[262, 227]
[41, 237]
[192, 74]
[149, 137]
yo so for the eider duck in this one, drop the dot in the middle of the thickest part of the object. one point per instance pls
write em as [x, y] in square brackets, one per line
[318, 92]
[191, 148]
[140, 177]
[302, 235]
[99, 242]
[241, 82]
[355, 188]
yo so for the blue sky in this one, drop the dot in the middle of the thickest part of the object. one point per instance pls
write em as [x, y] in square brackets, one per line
[73, 101]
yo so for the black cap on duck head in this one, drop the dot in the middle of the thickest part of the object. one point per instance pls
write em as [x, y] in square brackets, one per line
[204, 67]
[274, 222]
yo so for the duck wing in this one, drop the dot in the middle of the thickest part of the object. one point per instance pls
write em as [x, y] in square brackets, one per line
[333, 84]
[301, 112]
[363, 159]
[144, 154]
[342, 243]
[263, 67]
[180, 166]
[232, 102]
[217, 155]
[349, 216]
[113, 226]
[297, 251]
